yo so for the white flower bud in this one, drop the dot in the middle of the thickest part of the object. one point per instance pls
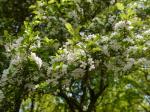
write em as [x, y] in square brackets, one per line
[37, 60]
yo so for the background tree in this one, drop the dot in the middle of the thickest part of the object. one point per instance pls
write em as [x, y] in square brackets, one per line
[13, 13]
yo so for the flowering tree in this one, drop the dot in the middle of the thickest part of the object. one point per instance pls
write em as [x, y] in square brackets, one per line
[90, 59]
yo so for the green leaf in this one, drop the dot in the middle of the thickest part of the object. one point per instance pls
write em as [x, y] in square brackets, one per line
[97, 49]
[51, 1]
[120, 6]
[70, 28]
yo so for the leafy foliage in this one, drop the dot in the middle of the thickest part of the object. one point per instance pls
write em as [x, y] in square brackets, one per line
[78, 56]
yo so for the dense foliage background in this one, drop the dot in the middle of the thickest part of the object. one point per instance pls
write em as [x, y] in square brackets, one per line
[75, 56]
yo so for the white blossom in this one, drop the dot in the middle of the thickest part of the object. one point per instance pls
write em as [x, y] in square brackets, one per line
[105, 50]
[104, 39]
[112, 1]
[37, 86]
[38, 43]
[37, 60]
[132, 49]
[141, 5]
[145, 48]
[91, 63]
[128, 86]
[130, 40]
[17, 42]
[69, 94]
[91, 67]
[147, 32]
[111, 19]
[129, 64]
[89, 1]
[129, 27]
[139, 36]
[64, 68]
[148, 43]
[82, 52]
[80, 44]
[49, 80]
[67, 88]
[33, 46]
[57, 67]
[83, 64]
[85, 108]
[7, 48]
[49, 70]
[91, 36]
[67, 43]
[15, 60]
[115, 45]
[142, 60]
[82, 34]
[122, 24]
[71, 57]
[114, 34]
[81, 93]
[5, 72]
[4, 75]
[65, 51]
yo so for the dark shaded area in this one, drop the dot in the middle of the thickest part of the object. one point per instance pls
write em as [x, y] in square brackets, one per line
[13, 13]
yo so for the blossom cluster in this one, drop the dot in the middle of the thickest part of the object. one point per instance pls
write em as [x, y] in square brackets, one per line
[122, 25]
[147, 32]
[73, 60]
[13, 45]
[111, 19]
[37, 60]
[129, 64]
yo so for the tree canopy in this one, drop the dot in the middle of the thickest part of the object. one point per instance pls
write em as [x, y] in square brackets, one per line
[75, 56]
